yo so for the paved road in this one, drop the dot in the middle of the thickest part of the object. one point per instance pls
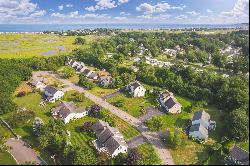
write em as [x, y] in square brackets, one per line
[152, 137]
[22, 153]
[136, 141]
[151, 111]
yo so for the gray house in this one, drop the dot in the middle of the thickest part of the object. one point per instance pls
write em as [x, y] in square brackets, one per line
[201, 125]
[105, 80]
[93, 76]
[109, 140]
[237, 156]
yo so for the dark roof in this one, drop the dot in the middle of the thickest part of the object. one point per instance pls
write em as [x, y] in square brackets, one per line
[240, 155]
[199, 127]
[113, 143]
[201, 115]
[50, 90]
[79, 68]
[93, 74]
[104, 136]
[170, 103]
[108, 136]
[99, 126]
[86, 71]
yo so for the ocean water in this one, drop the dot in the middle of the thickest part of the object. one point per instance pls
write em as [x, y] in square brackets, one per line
[63, 27]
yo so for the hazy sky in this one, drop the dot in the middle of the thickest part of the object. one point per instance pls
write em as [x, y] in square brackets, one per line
[124, 11]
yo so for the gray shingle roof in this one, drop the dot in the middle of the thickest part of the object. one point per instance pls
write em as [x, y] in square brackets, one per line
[93, 75]
[51, 90]
[86, 72]
[135, 84]
[240, 155]
[66, 108]
[203, 115]
[199, 127]
[110, 137]
[99, 126]
[170, 103]
[113, 143]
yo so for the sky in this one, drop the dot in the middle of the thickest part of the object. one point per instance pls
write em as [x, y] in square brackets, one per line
[124, 11]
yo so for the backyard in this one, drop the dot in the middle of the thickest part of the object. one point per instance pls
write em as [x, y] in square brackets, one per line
[133, 106]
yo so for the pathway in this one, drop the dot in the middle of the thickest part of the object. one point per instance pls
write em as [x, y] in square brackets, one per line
[152, 137]
[150, 112]
[23, 153]
[136, 141]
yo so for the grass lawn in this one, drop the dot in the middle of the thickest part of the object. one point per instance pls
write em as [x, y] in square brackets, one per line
[133, 106]
[149, 155]
[190, 154]
[6, 159]
[245, 146]
[74, 79]
[99, 91]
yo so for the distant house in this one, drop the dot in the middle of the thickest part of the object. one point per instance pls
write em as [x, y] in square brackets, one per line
[87, 72]
[67, 111]
[136, 89]
[168, 103]
[37, 84]
[52, 94]
[109, 140]
[237, 156]
[105, 81]
[201, 125]
[93, 76]
[109, 54]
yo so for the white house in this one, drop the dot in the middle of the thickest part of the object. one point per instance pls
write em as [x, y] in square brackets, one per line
[52, 94]
[201, 125]
[198, 131]
[136, 89]
[67, 111]
[168, 103]
[109, 140]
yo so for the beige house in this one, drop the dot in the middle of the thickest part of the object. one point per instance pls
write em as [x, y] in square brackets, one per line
[168, 103]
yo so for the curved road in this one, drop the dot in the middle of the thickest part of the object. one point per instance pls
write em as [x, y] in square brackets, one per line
[152, 137]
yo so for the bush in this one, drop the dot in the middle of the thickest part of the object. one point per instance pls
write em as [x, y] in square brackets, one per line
[154, 123]
[21, 94]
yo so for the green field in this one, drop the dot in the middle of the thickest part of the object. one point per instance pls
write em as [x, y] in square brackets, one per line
[6, 159]
[29, 45]
[133, 106]
[99, 91]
